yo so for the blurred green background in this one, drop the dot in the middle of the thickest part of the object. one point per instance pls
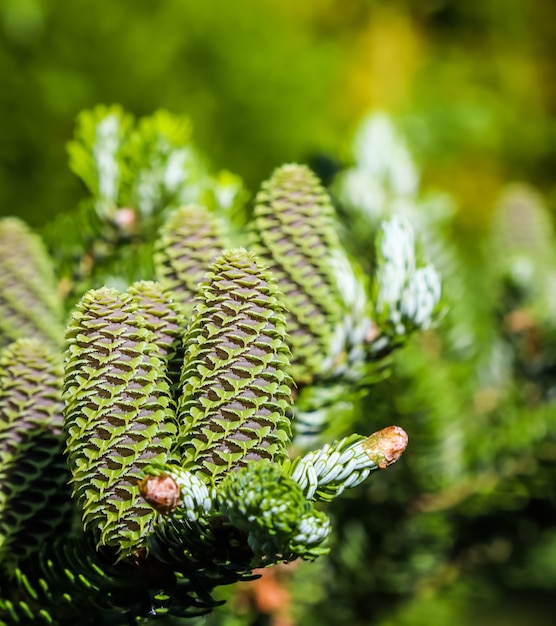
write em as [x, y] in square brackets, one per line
[471, 85]
[271, 81]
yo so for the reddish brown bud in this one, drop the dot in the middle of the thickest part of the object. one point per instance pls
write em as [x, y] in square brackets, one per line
[372, 333]
[126, 219]
[386, 446]
[161, 492]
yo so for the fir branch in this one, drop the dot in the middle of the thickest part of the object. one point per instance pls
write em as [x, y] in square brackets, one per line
[407, 294]
[281, 523]
[71, 580]
[324, 474]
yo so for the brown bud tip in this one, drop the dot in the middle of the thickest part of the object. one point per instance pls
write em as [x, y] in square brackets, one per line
[126, 219]
[372, 333]
[161, 492]
[386, 446]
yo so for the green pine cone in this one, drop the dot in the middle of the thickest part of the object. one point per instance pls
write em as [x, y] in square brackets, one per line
[236, 386]
[163, 319]
[190, 240]
[29, 303]
[294, 232]
[119, 415]
[34, 499]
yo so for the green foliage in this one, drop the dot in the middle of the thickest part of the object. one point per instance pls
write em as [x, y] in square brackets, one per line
[177, 397]
[279, 520]
[146, 165]
[149, 164]
[452, 535]
[136, 171]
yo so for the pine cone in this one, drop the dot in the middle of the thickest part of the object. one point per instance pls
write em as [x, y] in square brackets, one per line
[235, 382]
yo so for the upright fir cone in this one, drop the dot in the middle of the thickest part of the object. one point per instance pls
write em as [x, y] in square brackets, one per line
[161, 316]
[29, 303]
[236, 386]
[34, 499]
[293, 231]
[119, 415]
[190, 240]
